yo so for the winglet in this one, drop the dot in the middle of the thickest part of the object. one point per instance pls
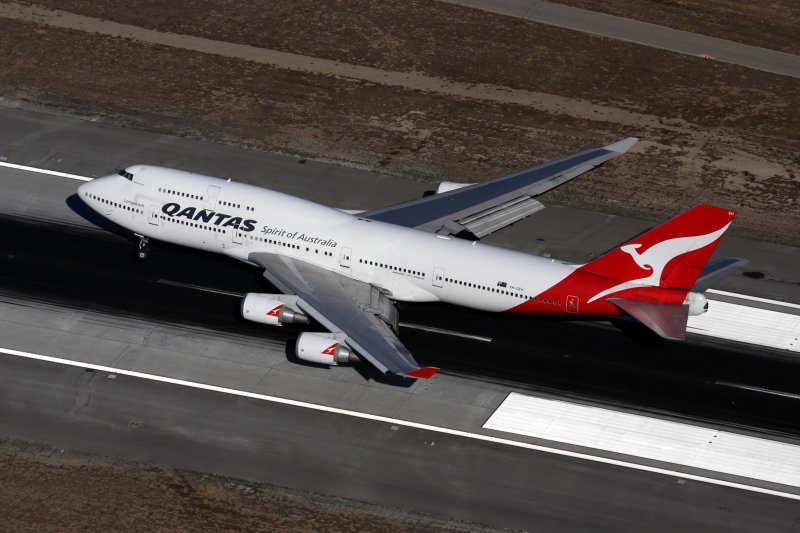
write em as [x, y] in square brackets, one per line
[424, 373]
[621, 146]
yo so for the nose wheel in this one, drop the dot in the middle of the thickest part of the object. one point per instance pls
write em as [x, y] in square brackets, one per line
[144, 248]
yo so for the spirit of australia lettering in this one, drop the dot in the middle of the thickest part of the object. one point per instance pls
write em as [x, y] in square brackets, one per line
[296, 235]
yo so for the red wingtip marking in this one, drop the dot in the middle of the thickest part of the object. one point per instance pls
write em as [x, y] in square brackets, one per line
[424, 373]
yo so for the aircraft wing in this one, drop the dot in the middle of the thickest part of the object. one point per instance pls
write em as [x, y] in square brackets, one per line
[483, 208]
[355, 309]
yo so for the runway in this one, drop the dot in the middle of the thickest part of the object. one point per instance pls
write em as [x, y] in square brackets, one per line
[70, 290]
[633, 369]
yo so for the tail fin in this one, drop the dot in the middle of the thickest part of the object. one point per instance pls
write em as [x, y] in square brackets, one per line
[671, 255]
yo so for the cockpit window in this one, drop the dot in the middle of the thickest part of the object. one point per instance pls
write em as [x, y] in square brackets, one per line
[125, 174]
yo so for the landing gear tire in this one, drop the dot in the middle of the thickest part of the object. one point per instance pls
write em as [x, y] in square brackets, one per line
[144, 250]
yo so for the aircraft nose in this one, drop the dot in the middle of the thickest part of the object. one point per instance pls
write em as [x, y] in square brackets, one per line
[94, 191]
[89, 190]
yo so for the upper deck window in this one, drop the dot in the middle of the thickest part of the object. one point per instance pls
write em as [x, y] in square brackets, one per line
[125, 174]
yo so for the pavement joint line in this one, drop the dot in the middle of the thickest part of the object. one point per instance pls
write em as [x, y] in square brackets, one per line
[758, 389]
[405, 423]
[753, 298]
[200, 288]
[445, 332]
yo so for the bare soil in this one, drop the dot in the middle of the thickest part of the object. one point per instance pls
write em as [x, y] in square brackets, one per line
[43, 489]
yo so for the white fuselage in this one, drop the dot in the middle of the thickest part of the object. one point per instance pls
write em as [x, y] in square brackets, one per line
[238, 219]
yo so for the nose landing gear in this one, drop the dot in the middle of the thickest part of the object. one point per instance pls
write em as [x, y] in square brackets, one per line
[144, 249]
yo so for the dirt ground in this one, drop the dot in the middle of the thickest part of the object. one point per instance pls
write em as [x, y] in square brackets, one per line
[81, 492]
[711, 133]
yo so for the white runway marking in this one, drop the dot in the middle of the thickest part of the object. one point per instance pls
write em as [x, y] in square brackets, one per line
[667, 441]
[749, 325]
[405, 423]
[44, 171]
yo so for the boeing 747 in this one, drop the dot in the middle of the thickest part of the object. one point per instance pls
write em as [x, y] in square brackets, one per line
[346, 270]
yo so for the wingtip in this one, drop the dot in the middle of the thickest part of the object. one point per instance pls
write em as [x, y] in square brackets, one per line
[622, 146]
[424, 373]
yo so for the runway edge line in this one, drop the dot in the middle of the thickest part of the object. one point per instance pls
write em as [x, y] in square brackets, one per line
[405, 423]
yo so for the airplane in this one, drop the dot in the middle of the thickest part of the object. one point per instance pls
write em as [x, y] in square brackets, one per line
[347, 269]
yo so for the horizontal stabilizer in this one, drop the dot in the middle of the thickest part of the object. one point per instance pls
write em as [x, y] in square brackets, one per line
[668, 320]
[716, 271]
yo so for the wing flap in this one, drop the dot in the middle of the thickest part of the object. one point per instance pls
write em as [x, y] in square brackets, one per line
[491, 220]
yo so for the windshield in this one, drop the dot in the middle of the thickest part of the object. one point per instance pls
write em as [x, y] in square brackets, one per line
[125, 174]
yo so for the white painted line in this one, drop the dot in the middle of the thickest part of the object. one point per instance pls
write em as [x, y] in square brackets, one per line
[406, 423]
[44, 171]
[753, 298]
[651, 438]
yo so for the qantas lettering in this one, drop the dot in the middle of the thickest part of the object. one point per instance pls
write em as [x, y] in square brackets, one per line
[192, 213]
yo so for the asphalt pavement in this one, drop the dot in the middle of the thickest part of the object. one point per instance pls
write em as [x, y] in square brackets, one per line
[72, 290]
[643, 33]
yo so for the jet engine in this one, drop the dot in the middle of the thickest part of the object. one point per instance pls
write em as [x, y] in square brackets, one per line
[264, 308]
[446, 186]
[324, 348]
[697, 302]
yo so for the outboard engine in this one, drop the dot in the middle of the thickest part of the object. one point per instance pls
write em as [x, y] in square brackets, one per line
[324, 348]
[697, 302]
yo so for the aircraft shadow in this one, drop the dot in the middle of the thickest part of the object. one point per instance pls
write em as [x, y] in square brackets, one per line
[80, 208]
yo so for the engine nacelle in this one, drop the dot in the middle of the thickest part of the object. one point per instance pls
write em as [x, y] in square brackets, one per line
[264, 308]
[446, 186]
[324, 348]
[697, 302]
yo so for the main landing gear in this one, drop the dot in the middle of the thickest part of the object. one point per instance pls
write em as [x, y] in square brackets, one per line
[144, 249]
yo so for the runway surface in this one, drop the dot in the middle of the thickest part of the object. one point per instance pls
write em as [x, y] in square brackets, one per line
[70, 289]
[631, 368]
[643, 33]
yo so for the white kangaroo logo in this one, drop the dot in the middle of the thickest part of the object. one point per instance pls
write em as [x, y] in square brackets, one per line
[657, 256]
